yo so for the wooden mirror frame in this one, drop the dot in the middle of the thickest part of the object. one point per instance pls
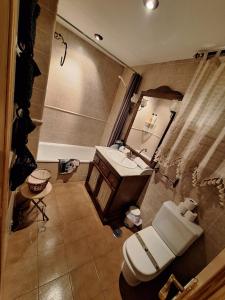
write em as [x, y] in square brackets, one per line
[162, 92]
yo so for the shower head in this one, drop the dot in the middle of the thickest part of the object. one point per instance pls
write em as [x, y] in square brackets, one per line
[121, 78]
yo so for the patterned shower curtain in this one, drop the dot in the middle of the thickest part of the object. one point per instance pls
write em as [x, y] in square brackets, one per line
[196, 141]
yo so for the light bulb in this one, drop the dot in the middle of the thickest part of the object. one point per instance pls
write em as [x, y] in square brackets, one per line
[98, 37]
[151, 4]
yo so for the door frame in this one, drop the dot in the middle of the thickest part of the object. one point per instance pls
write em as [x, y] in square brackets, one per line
[8, 23]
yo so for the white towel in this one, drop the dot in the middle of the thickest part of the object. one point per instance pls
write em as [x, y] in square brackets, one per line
[67, 166]
[141, 163]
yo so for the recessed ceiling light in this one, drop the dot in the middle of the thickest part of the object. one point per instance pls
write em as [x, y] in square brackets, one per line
[151, 4]
[98, 37]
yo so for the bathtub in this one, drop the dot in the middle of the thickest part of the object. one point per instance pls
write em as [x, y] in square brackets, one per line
[50, 153]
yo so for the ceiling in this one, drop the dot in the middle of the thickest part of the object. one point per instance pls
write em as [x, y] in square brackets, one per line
[175, 30]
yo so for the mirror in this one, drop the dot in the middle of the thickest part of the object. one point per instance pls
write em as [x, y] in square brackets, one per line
[153, 115]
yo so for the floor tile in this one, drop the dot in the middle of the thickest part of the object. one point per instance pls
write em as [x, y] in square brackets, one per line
[30, 296]
[76, 230]
[85, 282]
[59, 289]
[75, 212]
[53, 213]
[21, 277]
[81, 228]
[126, 233]
[73, 240]
[65, 199]
[113, 293]
[21, 248]
[50, 199]
[76, 189]
[99, 297]
[51, 264]
[109, 267]
[28, 234]
[60, 188]
[49, 238]
[101, 242]
[77, 253]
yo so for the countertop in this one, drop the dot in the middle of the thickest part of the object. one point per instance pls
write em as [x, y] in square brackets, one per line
[122, 171]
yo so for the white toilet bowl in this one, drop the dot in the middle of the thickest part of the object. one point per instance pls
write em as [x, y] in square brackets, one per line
[137, 266]
[147, 254]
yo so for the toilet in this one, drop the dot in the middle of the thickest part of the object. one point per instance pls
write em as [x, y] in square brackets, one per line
[149, 252]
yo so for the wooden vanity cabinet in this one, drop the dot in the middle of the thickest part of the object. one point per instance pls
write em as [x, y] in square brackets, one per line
[112, 194]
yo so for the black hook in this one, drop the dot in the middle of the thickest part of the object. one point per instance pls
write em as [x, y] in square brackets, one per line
[58, 36]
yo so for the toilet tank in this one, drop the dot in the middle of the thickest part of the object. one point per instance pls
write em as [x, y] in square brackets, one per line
[176, 231]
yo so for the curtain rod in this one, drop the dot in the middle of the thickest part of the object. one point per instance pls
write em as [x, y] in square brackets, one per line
[210, 53]
[93, 41]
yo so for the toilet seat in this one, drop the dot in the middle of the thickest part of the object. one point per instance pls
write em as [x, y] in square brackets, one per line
[137, 258]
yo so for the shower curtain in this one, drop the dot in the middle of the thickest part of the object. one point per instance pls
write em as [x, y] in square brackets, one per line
[124, 111]
[196, 141]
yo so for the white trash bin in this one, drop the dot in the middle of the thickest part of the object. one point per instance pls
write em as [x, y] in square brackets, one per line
[133, 217]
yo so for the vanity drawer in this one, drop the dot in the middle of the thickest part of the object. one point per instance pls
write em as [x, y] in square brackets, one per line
[113, 180]
[103, 168]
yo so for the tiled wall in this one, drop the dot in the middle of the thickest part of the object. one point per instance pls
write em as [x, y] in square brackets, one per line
[42, 54]
[177, 75]
[120, 93]
[211, 217]
[85, 85]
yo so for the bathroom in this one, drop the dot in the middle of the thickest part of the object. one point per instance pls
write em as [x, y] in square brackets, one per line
[138, 72]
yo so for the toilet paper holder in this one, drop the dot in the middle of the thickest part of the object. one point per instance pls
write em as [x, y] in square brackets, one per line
[163, 293]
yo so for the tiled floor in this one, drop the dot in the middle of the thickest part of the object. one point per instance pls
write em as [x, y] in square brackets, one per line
[73, 257]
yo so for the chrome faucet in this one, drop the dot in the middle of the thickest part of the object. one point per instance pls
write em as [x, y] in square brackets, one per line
[129, 155]
[143, 150]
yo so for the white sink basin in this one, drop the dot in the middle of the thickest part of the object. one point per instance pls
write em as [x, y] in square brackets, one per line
[121, 159]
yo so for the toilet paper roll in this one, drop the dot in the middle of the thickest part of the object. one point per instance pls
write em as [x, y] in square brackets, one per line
[190, 216]
[182, 208]
[190, 203]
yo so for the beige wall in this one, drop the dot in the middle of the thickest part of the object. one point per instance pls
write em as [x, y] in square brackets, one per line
[177, 75]
[42, 55]
[211, 217]
[120, 93]
[85, 85]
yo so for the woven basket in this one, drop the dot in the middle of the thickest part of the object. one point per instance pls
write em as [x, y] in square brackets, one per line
[38, 180]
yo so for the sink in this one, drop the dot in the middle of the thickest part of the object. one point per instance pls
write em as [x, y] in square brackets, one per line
[121, 159]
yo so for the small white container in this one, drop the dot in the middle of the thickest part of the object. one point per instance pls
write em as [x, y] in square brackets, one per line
[133, 217]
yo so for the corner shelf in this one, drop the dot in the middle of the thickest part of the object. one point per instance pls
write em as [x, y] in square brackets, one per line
[145, 131]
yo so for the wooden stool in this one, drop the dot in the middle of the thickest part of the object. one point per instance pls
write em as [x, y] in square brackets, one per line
[37, 199]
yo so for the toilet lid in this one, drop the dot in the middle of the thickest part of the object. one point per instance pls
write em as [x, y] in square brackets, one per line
[158, 249]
